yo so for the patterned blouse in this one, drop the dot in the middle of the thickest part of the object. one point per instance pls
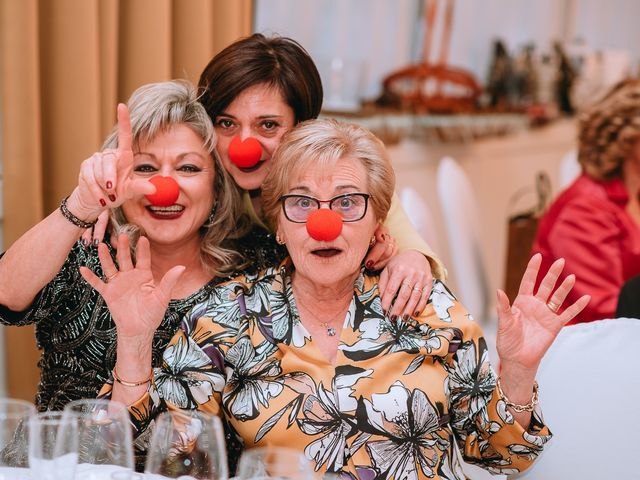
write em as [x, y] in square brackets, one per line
[77, 336]
[393, 404]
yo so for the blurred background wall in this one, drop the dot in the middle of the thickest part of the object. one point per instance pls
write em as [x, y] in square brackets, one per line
[64, 65]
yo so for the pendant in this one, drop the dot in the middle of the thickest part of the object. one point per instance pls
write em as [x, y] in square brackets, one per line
[330, 330]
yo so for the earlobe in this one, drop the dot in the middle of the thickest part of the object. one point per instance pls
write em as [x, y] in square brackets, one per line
[279, 239]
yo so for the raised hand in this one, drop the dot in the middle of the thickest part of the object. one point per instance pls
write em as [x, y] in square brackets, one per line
[105, 179]
[527, 328]
[136, 303]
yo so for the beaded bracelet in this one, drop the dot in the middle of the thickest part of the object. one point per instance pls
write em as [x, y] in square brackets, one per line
[66, 213]
[131, 384]
[519, 408]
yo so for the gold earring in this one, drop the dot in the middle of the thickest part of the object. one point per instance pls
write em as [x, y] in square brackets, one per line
[279, 240]
[372, 242]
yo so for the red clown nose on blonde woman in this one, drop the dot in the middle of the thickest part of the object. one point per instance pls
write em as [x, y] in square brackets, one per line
[167, 191]
[324, 225]
[245, 154]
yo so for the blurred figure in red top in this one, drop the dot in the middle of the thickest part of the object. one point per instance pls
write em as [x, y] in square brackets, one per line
[595, 223]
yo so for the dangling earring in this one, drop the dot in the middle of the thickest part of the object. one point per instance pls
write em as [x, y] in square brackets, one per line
[279, 239]
[212, 216]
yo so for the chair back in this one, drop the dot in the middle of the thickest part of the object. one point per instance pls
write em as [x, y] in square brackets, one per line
[589, 390]
[461, 219]
[420, 216]
[570, 169]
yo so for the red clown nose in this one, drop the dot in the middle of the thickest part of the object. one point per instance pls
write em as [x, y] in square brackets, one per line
[245, 154]
[324, 225]
[167, 191]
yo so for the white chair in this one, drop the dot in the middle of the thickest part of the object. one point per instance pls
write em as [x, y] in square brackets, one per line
[569, 169]
[589, 390]
[420, 216]
[461, 219]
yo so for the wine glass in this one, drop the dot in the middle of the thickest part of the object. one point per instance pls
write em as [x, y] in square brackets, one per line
[189, 444]
[53, 446]
[274, 462]
[14, 417]
[105, 443]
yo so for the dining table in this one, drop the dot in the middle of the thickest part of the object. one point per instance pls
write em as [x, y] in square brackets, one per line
[84, 471]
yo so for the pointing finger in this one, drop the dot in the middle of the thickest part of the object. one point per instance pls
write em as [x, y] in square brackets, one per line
[124, 128]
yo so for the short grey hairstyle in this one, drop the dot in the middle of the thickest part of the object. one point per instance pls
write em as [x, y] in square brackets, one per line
[323, 142]
[155, 108]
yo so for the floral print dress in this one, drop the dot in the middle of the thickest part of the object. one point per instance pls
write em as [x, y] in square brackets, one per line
[398, 398]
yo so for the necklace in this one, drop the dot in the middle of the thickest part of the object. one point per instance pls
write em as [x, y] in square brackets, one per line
[330, 329]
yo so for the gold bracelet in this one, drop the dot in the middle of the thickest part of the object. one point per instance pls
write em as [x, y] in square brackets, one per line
[519, 408]
[131, 384]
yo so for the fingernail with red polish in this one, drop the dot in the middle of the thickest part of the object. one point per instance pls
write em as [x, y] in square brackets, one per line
[369, 264]
[85, 242]
[109, 185]
[96, 242]
[103, 203]
[112, 198]
[394, 318]
[416, 313]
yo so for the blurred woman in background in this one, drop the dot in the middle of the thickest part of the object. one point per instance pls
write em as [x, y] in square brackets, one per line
[595, 223]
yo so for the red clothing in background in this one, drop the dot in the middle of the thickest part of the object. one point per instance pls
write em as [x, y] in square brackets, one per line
[589, 226]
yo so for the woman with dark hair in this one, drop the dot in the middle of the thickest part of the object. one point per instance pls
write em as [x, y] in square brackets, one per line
[257, 89]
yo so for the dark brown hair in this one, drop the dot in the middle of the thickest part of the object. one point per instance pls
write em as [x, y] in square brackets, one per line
[277, 61]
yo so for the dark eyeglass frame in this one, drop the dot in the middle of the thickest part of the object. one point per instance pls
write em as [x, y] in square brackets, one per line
[319, 203]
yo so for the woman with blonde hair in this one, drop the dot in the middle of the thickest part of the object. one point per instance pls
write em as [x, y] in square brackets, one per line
[595, 223]
[304, 356]
[163, 131]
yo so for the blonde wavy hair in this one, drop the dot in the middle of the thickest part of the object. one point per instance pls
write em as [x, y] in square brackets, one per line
[323, 142]
[609, 130]
[155, 108]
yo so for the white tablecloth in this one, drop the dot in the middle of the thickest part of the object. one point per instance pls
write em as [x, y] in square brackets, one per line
[84, 471]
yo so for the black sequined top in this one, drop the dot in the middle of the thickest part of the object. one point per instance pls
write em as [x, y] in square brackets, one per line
[76, 334]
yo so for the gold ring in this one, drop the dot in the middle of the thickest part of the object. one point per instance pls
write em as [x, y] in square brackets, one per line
[110, 277]
[554, 307]
[415, 287]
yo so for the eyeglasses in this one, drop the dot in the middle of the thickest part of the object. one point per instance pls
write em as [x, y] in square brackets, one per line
[350, 206]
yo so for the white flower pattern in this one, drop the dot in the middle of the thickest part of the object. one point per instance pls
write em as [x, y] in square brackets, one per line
[379, 412]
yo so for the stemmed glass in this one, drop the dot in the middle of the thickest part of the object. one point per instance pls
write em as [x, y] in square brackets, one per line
[104, 437]
[14, 417]
[53, 446]
[187, 444]
[274, 462]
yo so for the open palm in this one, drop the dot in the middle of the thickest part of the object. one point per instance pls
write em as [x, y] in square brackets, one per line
[136, 303]
[527, 328]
